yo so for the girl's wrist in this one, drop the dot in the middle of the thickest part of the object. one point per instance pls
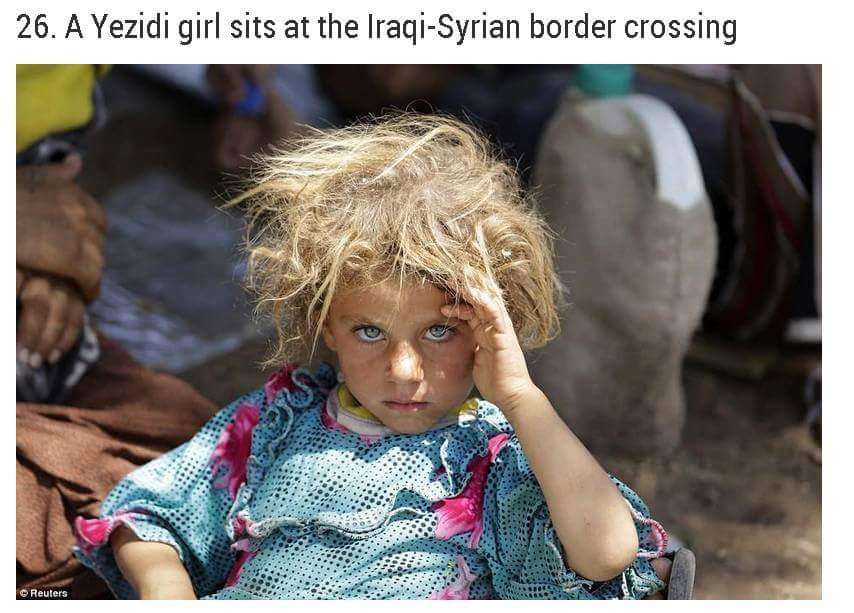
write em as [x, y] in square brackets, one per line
[524, 399]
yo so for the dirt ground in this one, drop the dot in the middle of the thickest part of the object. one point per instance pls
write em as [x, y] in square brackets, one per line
[743, 490]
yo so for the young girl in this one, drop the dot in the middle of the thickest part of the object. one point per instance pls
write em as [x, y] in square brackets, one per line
[412, 251]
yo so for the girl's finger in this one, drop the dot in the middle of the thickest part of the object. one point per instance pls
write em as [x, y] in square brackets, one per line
[465, 311]
[468, 314]
[490, 309]
[460, 311]
[54, 325]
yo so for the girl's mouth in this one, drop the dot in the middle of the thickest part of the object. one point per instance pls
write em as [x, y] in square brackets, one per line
[405, 406]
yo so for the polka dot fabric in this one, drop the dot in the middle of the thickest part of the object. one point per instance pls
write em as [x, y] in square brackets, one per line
[323, 514]
[522, 549]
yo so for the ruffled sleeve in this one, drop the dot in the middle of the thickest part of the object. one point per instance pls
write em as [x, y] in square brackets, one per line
[183, 499]
[522, 549]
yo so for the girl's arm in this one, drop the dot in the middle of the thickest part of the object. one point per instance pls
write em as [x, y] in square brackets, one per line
[153, 569]
[177, 505]
[589, 514]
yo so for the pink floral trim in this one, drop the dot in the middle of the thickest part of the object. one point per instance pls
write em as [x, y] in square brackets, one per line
[93, 533]
[237, 570]
[659, 535]
[279, 380]
[233, 448]
[460, 587]
[242, 532]
[242, 527]
[464, 513]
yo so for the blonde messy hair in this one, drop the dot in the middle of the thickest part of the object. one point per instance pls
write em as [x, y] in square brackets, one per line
[421, 198]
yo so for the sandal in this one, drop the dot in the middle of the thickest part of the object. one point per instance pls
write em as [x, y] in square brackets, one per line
[681, 583]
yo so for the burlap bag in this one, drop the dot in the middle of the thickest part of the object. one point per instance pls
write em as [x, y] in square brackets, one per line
[620, 184]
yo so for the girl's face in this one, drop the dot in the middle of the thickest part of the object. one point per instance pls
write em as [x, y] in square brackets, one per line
[403, 360]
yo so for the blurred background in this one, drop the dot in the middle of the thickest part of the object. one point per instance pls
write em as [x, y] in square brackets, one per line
[686, 206]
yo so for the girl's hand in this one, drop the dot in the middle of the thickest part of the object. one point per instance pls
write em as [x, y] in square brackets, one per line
[500, 372]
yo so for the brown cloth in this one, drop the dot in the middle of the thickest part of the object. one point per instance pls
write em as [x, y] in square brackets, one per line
[120, 416]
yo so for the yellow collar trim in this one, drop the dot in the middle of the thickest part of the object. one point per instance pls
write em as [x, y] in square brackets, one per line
[348, 402]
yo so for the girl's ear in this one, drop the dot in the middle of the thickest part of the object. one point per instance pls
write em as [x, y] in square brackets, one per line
[328, 337]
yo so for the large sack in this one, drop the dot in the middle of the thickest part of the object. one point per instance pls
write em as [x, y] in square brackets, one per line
[620, 184]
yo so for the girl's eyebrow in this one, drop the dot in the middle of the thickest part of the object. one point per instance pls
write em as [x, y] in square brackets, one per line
[361, 319]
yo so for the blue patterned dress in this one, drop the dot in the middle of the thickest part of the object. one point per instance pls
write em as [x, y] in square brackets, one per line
[273, 498]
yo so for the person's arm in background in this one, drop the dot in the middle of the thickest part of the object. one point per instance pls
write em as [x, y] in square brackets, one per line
[254, 114]
[59, 228]
[230, 80]
[59, 258]
[50, 319]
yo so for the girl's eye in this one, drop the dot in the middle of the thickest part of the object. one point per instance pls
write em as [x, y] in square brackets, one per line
[369, 334]
[439, 333]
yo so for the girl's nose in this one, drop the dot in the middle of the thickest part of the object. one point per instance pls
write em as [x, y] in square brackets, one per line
[404, 364]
